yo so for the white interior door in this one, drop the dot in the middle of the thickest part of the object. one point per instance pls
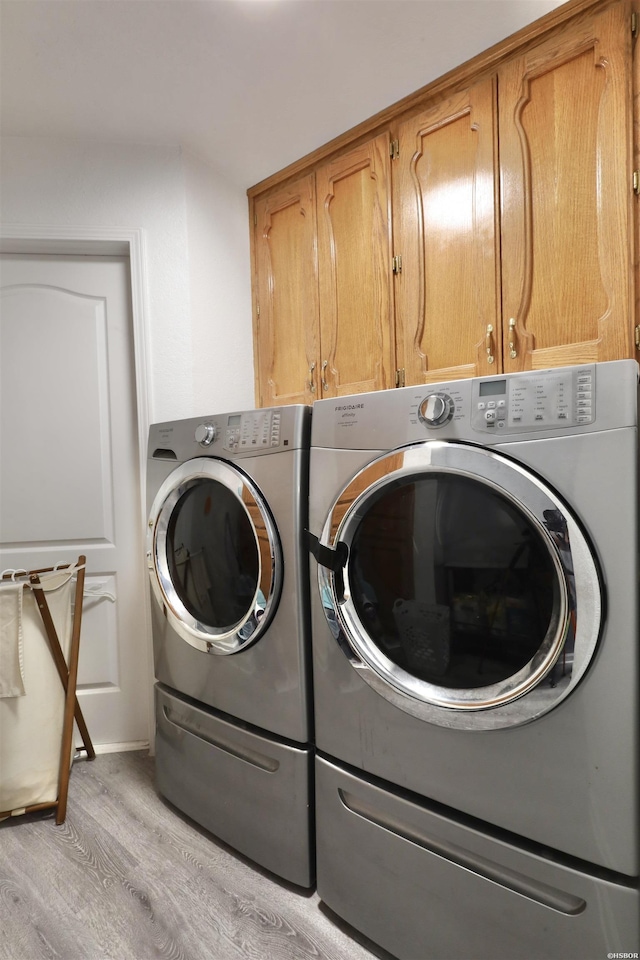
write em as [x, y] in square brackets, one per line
[69, 467]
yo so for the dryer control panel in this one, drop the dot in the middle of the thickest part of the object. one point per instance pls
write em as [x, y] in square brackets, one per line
[254, 430]
[245, 433]
[534, 401]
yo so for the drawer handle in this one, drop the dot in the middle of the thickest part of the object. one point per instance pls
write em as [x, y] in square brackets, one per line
[549, 896]
[256, 759]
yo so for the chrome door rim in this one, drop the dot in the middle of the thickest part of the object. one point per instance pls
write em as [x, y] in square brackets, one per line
[202, 636]
[520, 698]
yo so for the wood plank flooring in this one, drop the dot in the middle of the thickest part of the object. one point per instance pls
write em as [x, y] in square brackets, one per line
[127, 877]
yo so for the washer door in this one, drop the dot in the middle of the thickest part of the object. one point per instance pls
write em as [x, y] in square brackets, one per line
[470, 596]
[214, 556]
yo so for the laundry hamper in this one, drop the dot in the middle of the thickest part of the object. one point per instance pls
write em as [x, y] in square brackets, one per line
[40, 622]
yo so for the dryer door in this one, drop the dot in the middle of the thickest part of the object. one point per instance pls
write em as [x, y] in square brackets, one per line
[214, 556]
[470, 596]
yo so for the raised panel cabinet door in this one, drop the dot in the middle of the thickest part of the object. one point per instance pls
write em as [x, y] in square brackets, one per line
[354, 255]
[286, 290]
[444, 201]
[565, 127]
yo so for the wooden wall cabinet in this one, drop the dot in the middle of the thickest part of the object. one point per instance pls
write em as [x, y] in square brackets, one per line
[357, 349]
[286, 336]
[508, 210]
[445, 229]
[566, 146]
[513, 212]
[324, 303]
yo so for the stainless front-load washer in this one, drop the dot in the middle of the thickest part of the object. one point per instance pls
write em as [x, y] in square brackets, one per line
[476, 680]
[227, 500]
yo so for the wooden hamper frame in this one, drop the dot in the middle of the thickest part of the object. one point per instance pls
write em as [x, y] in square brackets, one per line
[68, 674]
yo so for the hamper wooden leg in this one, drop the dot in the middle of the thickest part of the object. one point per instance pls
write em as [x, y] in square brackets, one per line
[58, 657]
[68, 676]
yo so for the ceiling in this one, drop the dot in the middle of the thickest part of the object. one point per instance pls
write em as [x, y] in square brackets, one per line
[246, 85]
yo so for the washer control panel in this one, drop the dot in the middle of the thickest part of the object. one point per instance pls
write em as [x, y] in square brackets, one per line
[534, 401]
[258, 429]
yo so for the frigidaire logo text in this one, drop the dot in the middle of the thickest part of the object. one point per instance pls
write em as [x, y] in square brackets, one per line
[350, 406]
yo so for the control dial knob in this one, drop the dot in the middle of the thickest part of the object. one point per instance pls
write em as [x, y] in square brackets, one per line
[205, 434]
[436, 409]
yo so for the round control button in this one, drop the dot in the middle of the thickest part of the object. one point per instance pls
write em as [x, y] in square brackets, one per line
[205, 434]
[436, 409]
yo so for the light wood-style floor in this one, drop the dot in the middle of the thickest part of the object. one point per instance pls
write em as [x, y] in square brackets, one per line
[127, 877]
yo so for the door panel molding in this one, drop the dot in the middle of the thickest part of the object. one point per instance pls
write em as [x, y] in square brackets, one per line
[24, 238]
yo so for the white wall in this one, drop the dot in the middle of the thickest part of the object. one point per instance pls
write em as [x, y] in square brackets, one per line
[197, 267]
[220, 285]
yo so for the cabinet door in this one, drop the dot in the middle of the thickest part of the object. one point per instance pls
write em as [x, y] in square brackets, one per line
[354, 253]
[445, 231]
[566, 158]
[286, 284]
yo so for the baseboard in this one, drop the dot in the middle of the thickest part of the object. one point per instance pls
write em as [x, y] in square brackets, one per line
[121, 747]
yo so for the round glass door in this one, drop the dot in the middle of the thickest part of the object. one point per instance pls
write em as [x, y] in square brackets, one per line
[214, 556]
[470, 596]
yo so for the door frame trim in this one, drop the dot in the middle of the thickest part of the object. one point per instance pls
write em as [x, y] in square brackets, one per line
[19, 238]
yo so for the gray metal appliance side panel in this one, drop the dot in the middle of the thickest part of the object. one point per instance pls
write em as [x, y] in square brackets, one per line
[565, 762]
[249, 791]
[268, 683]
[455, 891]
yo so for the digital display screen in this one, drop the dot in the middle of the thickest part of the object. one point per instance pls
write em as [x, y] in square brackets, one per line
[234, 421]
[493, 388]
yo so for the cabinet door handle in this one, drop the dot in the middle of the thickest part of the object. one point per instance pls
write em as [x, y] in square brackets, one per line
[325, 364]
[489, 343]
[311, 384]
[513, 353]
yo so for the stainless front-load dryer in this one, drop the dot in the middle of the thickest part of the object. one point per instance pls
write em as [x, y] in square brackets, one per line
[227, 500]
[475, 646]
